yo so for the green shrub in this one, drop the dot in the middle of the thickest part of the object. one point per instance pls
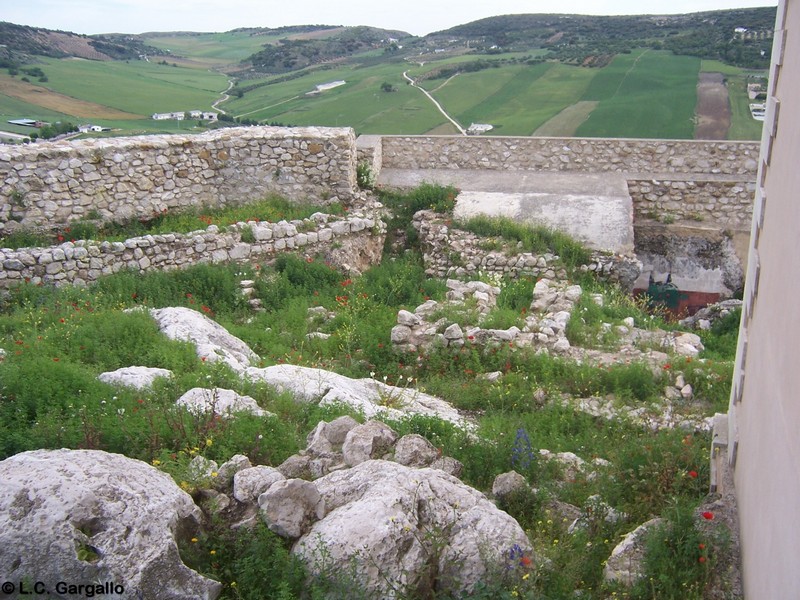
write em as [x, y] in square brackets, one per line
[679, 559]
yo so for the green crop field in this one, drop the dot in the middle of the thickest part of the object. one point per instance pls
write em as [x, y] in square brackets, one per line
[532, 97]
[651, 94]
[137, 87]
[360, 103]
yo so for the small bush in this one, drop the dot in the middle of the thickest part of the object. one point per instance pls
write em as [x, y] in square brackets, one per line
[679, 559]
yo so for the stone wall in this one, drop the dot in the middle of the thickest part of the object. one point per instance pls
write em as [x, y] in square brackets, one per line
[723, 204]
[354, 243]
[49, 184]
[451, 252]
[593, 155]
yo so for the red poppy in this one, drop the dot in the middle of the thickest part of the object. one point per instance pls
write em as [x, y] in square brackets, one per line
[708, 515]
[701, 546]
[701, 560]
[525, 561]
[56, 359]
[693, 474]
[667, 367]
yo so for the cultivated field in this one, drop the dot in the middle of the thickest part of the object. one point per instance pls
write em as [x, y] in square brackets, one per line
[646, 94]
[642, 94]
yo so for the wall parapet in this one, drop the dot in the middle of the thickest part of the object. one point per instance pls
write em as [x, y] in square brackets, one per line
[352, 243]
[49, 184]
[595, 155]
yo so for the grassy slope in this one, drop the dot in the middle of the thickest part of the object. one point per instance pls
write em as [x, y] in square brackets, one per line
[218, 48]
[138, 87]
[360, 104]
[652, 94]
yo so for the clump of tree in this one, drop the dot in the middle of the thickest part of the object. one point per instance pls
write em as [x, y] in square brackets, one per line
[50, 131]
[388, 87]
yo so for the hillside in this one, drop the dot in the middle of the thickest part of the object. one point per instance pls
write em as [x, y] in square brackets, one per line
[21, 43]
[522, 74]
[709, 35]
[299, 51]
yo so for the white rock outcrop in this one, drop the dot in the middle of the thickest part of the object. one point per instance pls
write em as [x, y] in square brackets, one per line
[372, 398]
[135, 377]
[87, 516]
[213, 342]
[221, 401]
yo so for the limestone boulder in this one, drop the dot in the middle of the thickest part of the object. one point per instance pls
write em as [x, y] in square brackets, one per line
[213, 342]
[423, 525]
[249, 484]
[290, 506]
[220, 401]
[413, 450]
[626, 563]
[372, 398]
[509, 483]
[135, 377]
[373, 439]
[87, 516]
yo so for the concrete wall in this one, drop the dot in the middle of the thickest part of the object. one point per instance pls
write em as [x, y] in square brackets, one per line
[49, 184]
[354, 242]
[592, 155]
[764, 415]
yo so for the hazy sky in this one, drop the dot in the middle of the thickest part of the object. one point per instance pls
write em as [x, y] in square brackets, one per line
[415, 16]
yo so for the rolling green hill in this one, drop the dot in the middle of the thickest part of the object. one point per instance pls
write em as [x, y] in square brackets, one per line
[523, 74]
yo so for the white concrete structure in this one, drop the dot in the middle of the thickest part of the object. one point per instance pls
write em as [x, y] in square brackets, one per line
[764, 414]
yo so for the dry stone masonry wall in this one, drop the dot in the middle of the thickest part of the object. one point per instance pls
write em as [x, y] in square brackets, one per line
[593, 155]
[725, 204]
[355, 243]
[50, 184]
[452, 252]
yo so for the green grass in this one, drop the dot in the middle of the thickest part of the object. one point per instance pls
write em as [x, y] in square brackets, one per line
[536, 239]
[647, 95]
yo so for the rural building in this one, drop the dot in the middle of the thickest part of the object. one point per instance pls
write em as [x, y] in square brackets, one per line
[92, 128]
[758, 111]
[181, 115]
[330, 85]
[479, 128]
[27, 123]
[764, 413]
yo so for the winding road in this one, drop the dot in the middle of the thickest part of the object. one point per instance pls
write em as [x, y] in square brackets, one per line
[432, 99]
[225, 96]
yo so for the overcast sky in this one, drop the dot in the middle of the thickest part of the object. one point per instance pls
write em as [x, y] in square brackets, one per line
[414, 16]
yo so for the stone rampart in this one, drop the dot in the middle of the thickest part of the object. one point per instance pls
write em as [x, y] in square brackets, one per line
[50, 184]
[590, 155]
[355, 242]
[723, 204]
